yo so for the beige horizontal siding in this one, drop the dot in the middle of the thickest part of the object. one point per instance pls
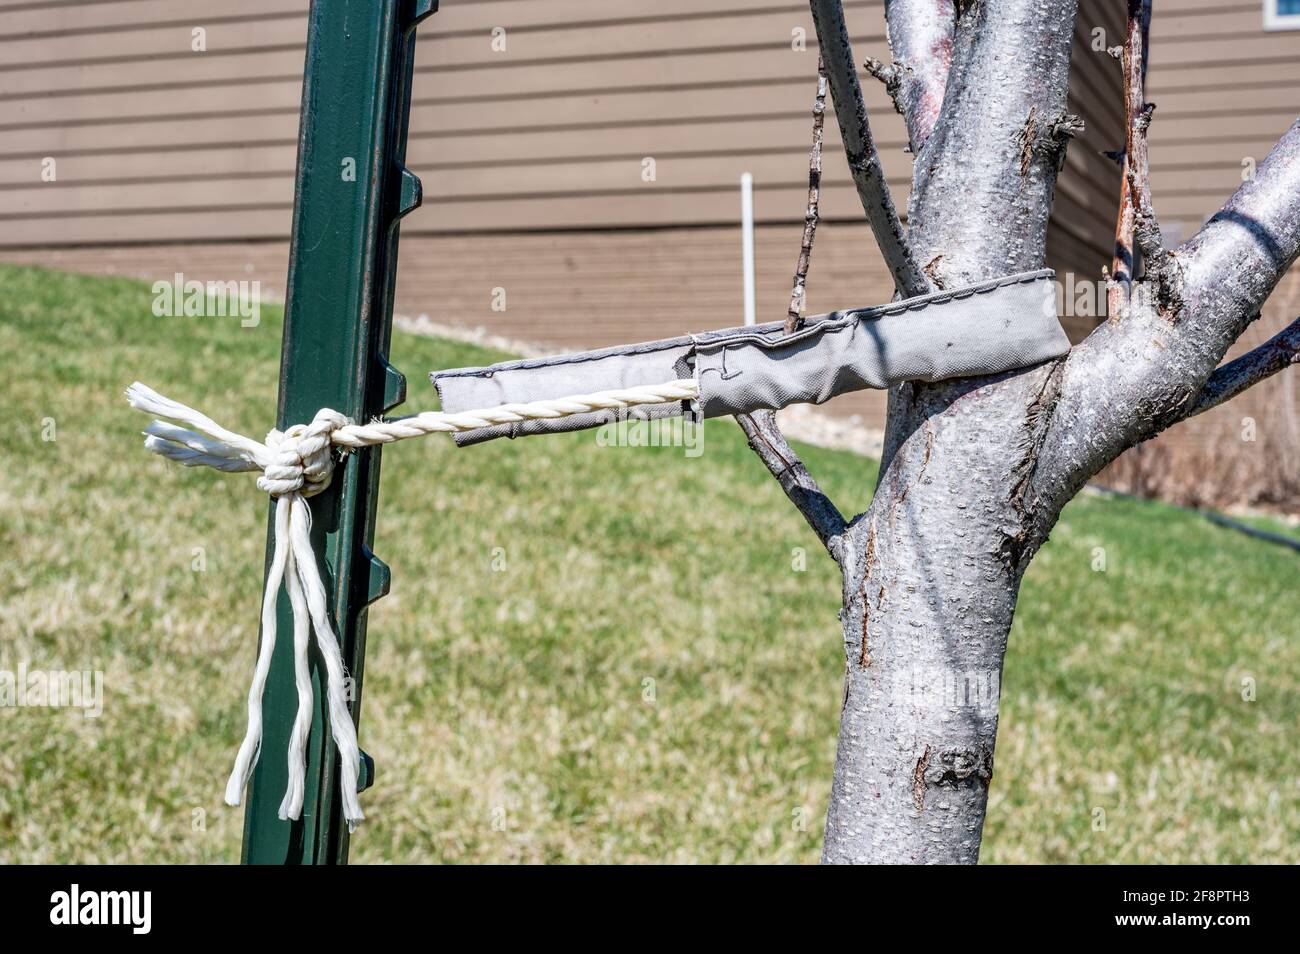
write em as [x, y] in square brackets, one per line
[1225, 90]
[1227, 75]
[155, 142]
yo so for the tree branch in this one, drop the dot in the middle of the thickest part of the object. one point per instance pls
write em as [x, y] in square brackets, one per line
[920, 39]
[798, 294]
[765, 437]
[1160, 266]
[1274, 355]
[1235, 261]
[860, 148]
[767, 441]
[1130, 380]
[1135, 187]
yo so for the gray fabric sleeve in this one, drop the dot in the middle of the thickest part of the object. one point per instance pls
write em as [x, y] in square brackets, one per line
[988, 328]
[948, 335]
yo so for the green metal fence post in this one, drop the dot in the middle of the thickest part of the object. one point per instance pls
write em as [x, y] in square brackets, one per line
[352, 188]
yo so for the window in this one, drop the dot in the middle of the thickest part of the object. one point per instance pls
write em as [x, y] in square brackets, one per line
[1282, 14]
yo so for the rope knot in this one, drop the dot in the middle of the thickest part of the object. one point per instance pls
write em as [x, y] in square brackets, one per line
[302, 458]
[298, 463]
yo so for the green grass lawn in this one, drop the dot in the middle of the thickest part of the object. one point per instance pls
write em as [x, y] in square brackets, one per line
[647, 677]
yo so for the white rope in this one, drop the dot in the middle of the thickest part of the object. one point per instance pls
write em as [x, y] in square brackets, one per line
[299, 463]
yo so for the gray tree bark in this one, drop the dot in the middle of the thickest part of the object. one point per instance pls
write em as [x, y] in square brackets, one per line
[976, 471]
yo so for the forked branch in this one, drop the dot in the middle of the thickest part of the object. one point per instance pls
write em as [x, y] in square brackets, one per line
[1131, 379]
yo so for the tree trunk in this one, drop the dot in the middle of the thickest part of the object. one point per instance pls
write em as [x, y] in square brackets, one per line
[930, 581]
[974, 473]
[932, 570]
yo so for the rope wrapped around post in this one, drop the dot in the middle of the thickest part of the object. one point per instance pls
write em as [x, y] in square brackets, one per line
[298, 463]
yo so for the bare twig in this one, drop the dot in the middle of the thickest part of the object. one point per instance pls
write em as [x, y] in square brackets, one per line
[920, 39]
[798, 294]
[761, 430]
[891, 77]
[1160, 266]
[860, 148]
[1159, 263]
[1133, 58]
[1274, 355]
[767, 441]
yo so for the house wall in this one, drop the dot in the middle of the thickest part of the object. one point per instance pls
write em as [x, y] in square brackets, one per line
[155, 142]
[532, 157]
[1225, 90]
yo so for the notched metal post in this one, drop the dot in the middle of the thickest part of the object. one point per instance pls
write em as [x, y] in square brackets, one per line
[352, 189]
